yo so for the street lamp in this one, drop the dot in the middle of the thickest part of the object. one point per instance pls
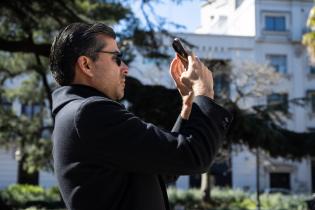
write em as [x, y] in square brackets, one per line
[257, 179]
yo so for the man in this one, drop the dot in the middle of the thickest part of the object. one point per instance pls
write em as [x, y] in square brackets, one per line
[104, 156]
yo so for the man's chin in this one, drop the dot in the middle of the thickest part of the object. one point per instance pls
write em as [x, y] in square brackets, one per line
[121, 96]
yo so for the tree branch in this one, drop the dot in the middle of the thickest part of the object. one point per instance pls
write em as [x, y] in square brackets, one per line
[45, 82]
[26, 46]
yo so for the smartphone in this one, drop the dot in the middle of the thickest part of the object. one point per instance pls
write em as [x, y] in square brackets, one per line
[181, 52]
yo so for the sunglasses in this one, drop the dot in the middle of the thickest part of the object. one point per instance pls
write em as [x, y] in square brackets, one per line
[118, 56]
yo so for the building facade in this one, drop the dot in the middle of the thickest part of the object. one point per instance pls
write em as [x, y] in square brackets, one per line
[264, 32]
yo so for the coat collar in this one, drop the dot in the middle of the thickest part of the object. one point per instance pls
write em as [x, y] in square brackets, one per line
[65, 94]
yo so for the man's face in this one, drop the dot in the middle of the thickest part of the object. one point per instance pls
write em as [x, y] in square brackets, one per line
[109, 77]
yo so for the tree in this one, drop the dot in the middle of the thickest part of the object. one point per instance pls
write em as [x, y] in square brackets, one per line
[26, 33]
[309, 38]
[27, 29]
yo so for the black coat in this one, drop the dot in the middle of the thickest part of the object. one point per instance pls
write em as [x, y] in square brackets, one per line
[107, 158]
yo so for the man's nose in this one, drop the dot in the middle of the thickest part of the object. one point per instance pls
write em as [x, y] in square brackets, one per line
[124, 68]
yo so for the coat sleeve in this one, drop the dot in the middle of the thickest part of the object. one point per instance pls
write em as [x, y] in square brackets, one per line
[117, 138]
[180, 123]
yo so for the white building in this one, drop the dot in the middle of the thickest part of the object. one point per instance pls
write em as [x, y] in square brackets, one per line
[264, 31]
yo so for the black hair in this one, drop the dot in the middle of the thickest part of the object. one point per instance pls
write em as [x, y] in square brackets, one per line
[73, 41]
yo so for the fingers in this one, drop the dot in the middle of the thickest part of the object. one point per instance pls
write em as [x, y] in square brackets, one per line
[175, 72]
[172, 66]
[176, 68]
[194, 62]
[190, 62]
[197, 78]
[185, 79]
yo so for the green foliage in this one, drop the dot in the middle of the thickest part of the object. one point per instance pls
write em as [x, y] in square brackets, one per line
[221, 198]
[311, 18]
[20, 195]
[228, 199]
[309, 38]
[190, 198]
[26, 32]
[281, 202]
[309, 41]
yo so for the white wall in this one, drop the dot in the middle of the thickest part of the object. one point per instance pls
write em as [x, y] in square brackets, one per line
[222, 17]
[47, 179]
[243, 169]
[8, 168]
[217, 41]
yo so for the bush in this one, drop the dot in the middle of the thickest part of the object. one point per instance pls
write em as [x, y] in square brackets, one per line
[282, 202]
[228, 199]
[191, 198]
[35, 197]
[18, 195]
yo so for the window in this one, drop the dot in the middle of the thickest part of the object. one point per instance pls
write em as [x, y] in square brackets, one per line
[311, 130]
[278, 101]
[275, 23]
[311, 97]
[312, 70]
[221, 84]
[280, 180]
[279, 62]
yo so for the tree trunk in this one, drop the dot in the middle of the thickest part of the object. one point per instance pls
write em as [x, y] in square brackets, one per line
[206, 187]
[23, 177]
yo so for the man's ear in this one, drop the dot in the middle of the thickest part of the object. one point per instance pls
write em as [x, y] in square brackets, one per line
[85, 65]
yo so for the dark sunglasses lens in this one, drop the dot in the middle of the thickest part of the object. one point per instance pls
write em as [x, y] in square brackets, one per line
[119, 59]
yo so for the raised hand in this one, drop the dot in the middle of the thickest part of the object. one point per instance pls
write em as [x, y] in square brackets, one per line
[176, 71]
[198, 78]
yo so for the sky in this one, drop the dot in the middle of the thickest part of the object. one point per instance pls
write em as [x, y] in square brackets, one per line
[187, 13]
